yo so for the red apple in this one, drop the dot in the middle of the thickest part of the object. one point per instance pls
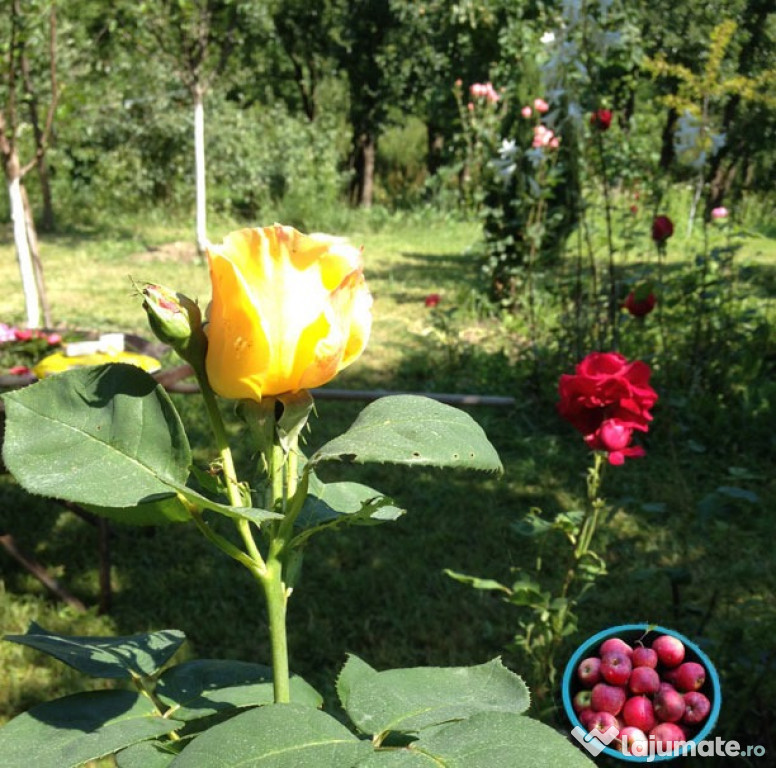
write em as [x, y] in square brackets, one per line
[615, 644]
[639, 713]
[615, 667]
[589, 671]
[690, 676]
[610, 698]
[644, 680]
[667, 735]
[670, 650]
[669, 706]
[696, 708]
[644, 657]
[633, 741]
[603, 721]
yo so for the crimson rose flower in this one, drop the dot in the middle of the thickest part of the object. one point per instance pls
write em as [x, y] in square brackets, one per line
[601, 119]
[432, 299]
[662, 229]
[607, 399]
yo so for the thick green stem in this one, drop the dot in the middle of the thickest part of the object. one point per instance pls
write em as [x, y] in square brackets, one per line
[591, 520]
[277, 599]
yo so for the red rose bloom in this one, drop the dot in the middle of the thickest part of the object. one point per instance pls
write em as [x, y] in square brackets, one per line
[662, 229]
[607, 399]
[433, 299]
[638, 306]
[601, 119]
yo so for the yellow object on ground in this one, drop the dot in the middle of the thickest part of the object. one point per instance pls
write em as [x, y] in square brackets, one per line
[59, 362]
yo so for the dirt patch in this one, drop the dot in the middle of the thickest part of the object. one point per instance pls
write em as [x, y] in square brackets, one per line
[181, 252]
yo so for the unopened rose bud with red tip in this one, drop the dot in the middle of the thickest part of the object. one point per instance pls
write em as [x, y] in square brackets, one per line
[176, 320]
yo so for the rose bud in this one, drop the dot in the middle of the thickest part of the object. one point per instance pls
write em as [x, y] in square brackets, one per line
[176, 320]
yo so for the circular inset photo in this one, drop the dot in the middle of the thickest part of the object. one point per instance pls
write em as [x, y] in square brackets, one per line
[641, 693]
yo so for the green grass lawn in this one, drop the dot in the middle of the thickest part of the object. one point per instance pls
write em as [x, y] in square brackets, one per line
[681, 552]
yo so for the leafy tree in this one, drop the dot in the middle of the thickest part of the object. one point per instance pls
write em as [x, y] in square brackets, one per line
[365, 27]
[197, 37]
[18, 68]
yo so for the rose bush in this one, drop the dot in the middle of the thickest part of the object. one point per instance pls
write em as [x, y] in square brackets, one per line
[289, 311]
[607, 399]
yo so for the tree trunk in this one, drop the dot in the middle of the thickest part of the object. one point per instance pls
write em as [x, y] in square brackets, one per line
[47, 218]
[37, 264]
[667, 146]
[199, 168]
[47, 214]
[435, 143]
[26, 267]
[362, 187]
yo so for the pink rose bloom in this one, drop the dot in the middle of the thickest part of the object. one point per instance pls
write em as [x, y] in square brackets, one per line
[526, 111]
[544, 137]
[54, 338]
[22, 335]
[19, 370]
[720, 213]
[541, 106]
[477, 90]
[491, 94]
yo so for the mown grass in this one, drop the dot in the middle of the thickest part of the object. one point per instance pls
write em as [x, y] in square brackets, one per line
[681, 553]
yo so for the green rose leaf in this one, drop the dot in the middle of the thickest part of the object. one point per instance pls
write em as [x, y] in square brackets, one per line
[73, 730]
[476, 582]
[409, 700]
[157, 512]
[402, 758]
[205, 687]
[409, 429]
[350, 503]
[497, 740]
[108, 657]
[147, 754]
[253, 514]
[107, 435]
[275, 736]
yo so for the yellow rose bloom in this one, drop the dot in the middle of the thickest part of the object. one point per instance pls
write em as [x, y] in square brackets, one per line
[289, 311]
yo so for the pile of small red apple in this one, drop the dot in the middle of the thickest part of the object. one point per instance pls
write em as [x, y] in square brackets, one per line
[646, 693]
